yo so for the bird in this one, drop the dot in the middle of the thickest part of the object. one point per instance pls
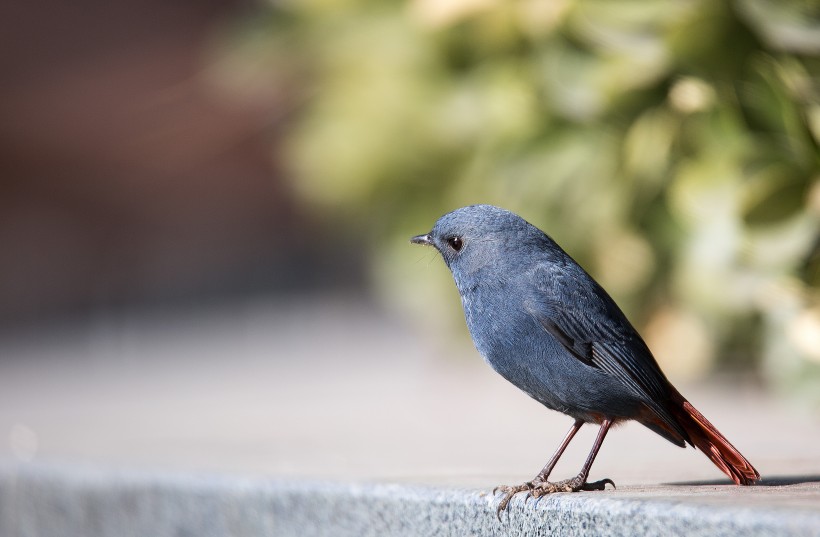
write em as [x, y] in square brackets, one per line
[544, 324]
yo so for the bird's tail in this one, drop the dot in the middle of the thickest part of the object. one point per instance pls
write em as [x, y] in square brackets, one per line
[714, 445]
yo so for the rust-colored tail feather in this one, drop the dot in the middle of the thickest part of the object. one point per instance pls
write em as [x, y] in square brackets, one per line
[714, 445]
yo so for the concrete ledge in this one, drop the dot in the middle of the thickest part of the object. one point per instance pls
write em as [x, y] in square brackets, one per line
[53, 501]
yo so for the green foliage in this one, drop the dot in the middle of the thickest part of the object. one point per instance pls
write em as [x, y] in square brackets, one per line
[671, 146]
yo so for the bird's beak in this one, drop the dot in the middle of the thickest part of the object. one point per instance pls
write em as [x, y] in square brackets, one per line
[422, 239]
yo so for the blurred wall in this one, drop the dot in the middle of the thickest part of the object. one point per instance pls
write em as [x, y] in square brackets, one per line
[127, 176]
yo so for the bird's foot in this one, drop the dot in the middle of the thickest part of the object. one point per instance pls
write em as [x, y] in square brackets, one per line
[540, 487]
[510, 491]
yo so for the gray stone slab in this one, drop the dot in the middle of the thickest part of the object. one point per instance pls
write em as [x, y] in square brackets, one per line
[292, 398]
[53, 501]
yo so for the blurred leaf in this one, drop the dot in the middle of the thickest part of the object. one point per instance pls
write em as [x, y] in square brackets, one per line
[647, 150]
[773, 97]
[773, 194]
[791, 25]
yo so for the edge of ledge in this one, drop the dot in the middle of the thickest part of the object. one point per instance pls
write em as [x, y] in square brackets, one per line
[45, 500]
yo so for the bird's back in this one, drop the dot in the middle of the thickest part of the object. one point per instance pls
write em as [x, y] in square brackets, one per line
[504, 314]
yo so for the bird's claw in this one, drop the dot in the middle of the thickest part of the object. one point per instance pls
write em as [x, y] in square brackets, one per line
[538, 488]
[509, 492]
[598, 485]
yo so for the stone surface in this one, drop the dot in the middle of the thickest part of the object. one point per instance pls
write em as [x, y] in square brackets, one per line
[112, 427]
[48, 501]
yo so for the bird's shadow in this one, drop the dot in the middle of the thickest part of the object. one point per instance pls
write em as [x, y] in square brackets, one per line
[771, 481]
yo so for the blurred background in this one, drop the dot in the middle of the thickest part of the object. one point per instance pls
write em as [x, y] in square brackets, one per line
[161, 159]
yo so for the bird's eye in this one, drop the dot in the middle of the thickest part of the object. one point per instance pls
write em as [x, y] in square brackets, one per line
[455, 243]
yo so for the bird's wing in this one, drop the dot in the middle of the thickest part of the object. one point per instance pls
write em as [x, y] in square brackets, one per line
[593, 329]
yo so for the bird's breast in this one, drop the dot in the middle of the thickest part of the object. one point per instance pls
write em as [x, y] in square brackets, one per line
[497, 322]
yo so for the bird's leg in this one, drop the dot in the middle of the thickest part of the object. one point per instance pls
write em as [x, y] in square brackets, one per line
[578, 482]
[543, 475]
[545, 472]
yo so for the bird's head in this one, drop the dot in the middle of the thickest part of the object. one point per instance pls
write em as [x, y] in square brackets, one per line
[479, 235]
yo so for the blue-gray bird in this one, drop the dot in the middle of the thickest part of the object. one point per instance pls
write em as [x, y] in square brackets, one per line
[545, 325]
